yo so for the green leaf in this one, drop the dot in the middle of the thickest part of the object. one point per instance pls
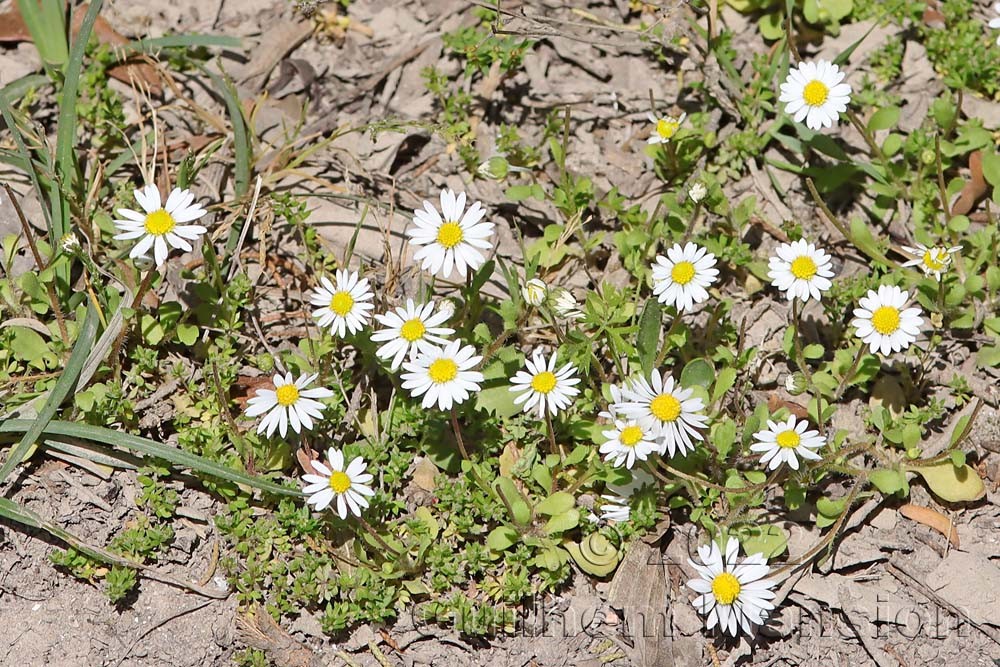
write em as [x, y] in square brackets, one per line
[770, 541]
[66, 382]
[862, 237]
[813, 351]
[595, 555]
[697, 373]
[501, 538]
[958, 458]
[883, 119]
[828, 511]
[648, 340]
[991, 167]
[560, 523]
[724, 381]
[187, 333]
[558, 503]
[890, 482]
[951, 483]
[519, 510]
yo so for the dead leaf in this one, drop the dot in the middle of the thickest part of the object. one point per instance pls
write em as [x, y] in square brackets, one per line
[975, 189]
[13, 29]
[639, 589]
[774, 402]
[258, 630]
[932, 519]
[424, 473]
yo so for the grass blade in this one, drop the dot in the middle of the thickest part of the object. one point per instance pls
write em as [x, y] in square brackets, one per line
[66, 381]
[148, 447]
[175, 41]
[46, 23]
[66, 134]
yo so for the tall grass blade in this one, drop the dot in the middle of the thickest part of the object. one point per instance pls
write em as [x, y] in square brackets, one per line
[146, 447]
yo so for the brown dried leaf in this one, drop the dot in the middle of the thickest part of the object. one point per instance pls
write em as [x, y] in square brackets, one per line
[258, 630]
[13, 29]
[639, 589]
[975, 189]
[774, 402]
[932, 519]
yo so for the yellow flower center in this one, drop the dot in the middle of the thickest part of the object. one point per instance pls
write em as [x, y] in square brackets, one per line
[667, 128]
[935, 260]
[815, 93]
[287, 394]
[682, 273]
[788, 439]
[341, 303]
[159, 223]
[412, 330]
[726, 588]
[665, 407]
[886, 320]
[543, 382]
[340, 482]
[442, 370]
[449, 235]
[630, 436]
[803, 268]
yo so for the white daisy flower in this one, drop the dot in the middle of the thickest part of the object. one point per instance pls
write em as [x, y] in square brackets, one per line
[781, 441]
[348, 486]
[534, 292]
[290, 401]
[814, 92]
[343, 303]
[566, 306]
[543, 386]
[160, 224]
[627, 441]
[664, 128]
[882, 322]
[669, 412]
[732, 595]
[454, 240]
[409, 330]
[443, 375]
[697, 192]
[933, 261]
[995, 23]
[680, 279]
[616, 505]
[800, 269]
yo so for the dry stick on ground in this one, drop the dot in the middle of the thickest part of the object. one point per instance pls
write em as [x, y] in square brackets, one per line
[29, 237]
[908, 578]
[159, 624]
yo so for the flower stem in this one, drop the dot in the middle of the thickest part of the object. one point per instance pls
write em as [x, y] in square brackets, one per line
[378, 538]
[556, 449]
[800, 358]
[458, 434]
[849, 375]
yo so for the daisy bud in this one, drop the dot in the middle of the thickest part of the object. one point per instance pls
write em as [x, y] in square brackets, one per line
[496, 168]
[697, 192]
[795, 383]
[534, 292]
[69, 243]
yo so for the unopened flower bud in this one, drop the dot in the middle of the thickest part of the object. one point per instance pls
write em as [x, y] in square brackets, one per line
[795, 383]
[534, 292]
